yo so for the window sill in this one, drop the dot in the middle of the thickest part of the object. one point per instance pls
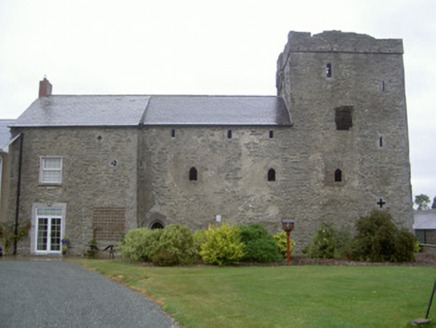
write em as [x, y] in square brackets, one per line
[45, 184]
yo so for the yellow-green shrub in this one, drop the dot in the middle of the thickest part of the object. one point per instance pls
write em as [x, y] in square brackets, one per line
[282, 244]
[223, 245]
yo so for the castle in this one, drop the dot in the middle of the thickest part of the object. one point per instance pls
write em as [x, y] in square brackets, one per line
[331, 146]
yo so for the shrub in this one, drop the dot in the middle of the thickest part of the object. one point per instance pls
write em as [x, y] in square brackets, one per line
[222, 246]
[175, 246]
[282, 244]
[169, 246]
[259, 245]
[328, 242]
[139, 244]
[379, 240]
[323, 242]
[199, 238]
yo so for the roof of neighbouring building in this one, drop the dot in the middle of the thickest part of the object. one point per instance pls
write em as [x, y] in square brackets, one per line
[5, 134]
[424, 220]
[128, 110]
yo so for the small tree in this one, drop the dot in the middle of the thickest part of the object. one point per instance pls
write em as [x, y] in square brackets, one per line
[323, 242]
[422, 201]
[379, 240]
[434, 203]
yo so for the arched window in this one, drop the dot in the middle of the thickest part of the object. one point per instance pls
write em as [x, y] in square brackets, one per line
[193, 174]
[338, 175]
[157, 225]
[271, 175]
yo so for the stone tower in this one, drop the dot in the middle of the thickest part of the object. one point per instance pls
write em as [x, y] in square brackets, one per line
[346, 96]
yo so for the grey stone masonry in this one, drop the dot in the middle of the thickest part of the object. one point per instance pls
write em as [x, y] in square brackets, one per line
[330, 147]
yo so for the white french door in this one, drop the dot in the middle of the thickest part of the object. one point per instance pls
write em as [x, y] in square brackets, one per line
[49, 230]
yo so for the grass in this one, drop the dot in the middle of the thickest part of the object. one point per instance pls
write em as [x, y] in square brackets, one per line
[299, 296]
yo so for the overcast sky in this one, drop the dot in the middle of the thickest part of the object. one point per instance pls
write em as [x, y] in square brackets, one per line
[204, 47]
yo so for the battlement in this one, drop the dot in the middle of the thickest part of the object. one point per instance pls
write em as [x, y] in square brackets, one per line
[337, 41]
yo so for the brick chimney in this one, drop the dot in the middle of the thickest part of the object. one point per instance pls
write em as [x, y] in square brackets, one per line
[45, 88]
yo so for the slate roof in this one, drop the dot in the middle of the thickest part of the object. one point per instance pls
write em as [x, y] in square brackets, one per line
[5, 134]
[217, 110]
[154, 110]
[424, 220]
[84, 111]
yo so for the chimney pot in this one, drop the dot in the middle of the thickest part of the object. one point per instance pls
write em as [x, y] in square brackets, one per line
[45, 88]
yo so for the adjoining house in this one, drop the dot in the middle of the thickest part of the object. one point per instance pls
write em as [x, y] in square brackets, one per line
[425, 226]
[331, 146]
[6, 138]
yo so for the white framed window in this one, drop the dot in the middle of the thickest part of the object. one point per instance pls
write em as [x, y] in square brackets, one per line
[48, 223]
[50, 169]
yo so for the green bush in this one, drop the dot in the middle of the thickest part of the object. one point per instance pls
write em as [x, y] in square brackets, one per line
[323, 242]
[139, 244]
[199, 238]
[282, 244]
[379, 240]
[169, 246]
[259, 245]
[175, 246]
[223, 245]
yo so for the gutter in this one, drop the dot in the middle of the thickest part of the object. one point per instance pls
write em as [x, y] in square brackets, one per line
[17, 215]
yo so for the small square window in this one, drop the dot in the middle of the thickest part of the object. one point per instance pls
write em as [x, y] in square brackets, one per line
[50, 170]
[343, 118]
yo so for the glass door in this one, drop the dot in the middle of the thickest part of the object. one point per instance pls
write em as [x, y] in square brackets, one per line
[48, 233]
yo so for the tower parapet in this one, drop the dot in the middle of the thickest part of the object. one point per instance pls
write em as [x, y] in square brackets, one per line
[337, 41]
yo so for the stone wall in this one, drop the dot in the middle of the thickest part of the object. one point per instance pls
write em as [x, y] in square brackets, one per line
[367, 76]
[232, 175]
[99, 171]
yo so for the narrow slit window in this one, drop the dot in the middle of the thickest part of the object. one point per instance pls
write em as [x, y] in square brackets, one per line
[173, 133]
[383, 86]
[328, 70]
[271, 134]
[193, 174]
[380, 142]
[338, 175]
[229, 134]
[271, 175]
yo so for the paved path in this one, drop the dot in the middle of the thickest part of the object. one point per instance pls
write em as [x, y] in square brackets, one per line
[52, 293]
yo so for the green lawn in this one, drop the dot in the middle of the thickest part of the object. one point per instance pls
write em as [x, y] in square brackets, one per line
[287, 296]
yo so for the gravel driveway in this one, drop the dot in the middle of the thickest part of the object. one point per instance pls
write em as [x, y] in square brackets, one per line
[52, 293]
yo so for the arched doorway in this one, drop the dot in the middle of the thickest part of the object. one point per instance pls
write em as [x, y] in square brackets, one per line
[157, 225]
